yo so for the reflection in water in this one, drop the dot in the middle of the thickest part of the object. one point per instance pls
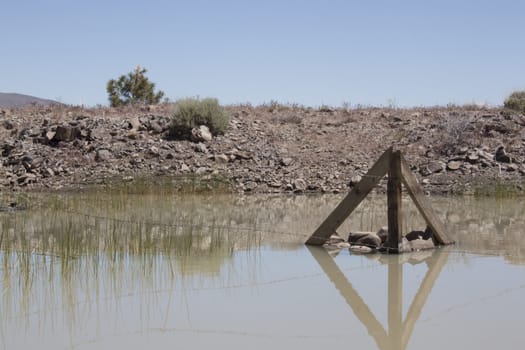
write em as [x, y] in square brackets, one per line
[93, 271]
[399, 331]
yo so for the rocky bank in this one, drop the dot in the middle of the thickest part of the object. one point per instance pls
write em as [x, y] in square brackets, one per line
[271, 148]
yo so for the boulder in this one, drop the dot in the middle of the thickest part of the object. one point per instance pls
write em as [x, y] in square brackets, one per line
[200, 147]
[155, 127]
[103, 155]
[382, 233]
[472, 157]
[201, 134]
[134, 124]
[221, 158]
[421, 244]
[354, 180]
[501, 156]
[454, 165]
[299, 185]
[360, 249]
[66, 133]
[286, 161]
[412, 235]
[334, 239]
[370, 239]
[432, 167]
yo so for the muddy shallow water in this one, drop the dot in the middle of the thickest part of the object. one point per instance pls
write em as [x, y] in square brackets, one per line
[98, 271]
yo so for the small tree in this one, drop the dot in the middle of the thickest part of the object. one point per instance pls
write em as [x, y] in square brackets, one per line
[133, 88]
[516, 101]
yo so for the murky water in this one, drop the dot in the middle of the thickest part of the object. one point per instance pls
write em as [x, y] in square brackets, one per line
[96, 271]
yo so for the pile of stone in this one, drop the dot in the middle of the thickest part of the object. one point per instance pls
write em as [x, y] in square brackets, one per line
[364, 242]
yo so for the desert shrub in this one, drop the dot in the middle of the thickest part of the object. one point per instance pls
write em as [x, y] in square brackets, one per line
[133, 89]
[192, 112]
[516, 101]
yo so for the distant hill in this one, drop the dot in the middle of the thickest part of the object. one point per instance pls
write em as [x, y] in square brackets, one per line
[10, 100]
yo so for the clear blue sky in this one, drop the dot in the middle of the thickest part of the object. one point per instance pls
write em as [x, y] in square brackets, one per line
[410, 53]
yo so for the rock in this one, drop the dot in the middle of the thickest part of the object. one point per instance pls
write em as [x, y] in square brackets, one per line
[201, 170]
[421, 244]
[354, 180]
[50, 135]
[454, 165]
[154, 151]
[334, 239]
[382, 233]
[49, 172]
[65, 133]
[405, 246]
[200, 147]
[361, 249]
[157, 128]
[201, 134]
[7, 147]
[103, 155]
[343, 245]
[134, 124]
[472, 157]
[370, 239]
[242, 155]
[221, 158]
[501, 156]
[32, 162]
[184, 168]
[26, 179]
[299, 185]
[336, 242]
[412, 235]
[431, 168]
[250, 186]
[286, 161]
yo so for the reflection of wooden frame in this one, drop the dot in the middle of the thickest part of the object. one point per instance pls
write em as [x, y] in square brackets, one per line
[399, 331]
[398, 173]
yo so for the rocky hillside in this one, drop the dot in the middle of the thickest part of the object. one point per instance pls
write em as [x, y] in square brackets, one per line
[10, 100]
[266, 149]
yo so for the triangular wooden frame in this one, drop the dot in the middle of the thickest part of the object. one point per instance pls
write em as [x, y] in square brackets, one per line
[399, 331]
[393, 163]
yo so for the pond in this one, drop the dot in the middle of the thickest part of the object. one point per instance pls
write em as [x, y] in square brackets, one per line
[107, 270]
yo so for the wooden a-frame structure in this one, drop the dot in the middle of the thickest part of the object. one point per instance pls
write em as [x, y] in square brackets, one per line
[393, 163]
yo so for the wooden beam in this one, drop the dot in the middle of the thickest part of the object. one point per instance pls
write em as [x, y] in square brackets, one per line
[352, 200]
[395, 234]
[414, 190]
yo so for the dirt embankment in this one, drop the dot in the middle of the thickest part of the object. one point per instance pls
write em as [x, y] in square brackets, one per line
[266, 149]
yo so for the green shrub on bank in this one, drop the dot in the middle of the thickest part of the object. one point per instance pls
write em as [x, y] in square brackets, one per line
[192, 112]
[516, 101]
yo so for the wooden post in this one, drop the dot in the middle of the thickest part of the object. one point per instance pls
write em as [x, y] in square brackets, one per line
[395, 234]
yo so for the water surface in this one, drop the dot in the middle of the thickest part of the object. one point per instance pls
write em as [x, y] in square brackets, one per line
[97, 271]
